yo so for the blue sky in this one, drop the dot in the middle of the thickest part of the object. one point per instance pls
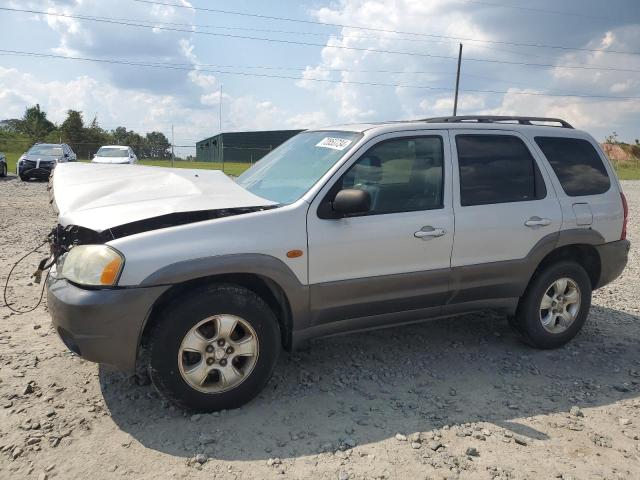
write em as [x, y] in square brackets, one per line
[144, 98]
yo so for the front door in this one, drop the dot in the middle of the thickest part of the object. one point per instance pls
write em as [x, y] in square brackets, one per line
[396, 257]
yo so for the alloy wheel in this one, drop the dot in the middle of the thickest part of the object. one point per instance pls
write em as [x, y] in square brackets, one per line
[218, 353]
[560, 305]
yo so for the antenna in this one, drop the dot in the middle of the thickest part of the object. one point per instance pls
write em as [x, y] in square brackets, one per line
[455, 101]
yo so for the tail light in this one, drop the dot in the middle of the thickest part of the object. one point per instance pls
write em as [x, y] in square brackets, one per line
[625, 209]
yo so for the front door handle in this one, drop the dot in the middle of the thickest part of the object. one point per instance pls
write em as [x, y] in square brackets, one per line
[428, 232]
[537, 222]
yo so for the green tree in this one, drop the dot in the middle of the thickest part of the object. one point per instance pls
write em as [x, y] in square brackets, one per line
[35, 124]
[119, 135]
[95, 136]
[612, 139]
[11, 125]
[73, 132]
[157, 145]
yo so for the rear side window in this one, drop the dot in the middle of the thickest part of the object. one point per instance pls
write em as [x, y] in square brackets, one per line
[497, 169]
[576, 164]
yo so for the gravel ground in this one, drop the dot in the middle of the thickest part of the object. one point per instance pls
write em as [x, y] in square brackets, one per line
[455, 398]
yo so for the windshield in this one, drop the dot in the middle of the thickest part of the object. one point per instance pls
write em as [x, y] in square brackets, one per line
[286, 173]
[45, 150]
[112, 152]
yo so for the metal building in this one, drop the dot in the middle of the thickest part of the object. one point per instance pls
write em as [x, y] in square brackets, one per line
[244, 147]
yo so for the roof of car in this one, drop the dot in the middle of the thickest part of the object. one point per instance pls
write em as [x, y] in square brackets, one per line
[539, 125]
[123, 147]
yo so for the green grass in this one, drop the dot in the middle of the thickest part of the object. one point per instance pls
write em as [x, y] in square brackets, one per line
[628, 172]
[12, 158]
[230, 168]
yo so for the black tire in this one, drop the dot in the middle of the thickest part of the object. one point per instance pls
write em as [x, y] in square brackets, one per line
[528, 316]
[3, 171]
[24, 178]
[185, 312]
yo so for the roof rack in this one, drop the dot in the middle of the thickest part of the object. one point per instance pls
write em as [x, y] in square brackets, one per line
[498, 119]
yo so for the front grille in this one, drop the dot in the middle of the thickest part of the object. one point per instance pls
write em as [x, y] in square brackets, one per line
[29, 164]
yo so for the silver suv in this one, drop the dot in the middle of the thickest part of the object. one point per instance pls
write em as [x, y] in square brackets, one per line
[339, 229]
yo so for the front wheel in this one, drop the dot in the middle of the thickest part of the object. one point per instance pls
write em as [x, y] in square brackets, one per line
[3, 171]
[214, 348]
[554, 306]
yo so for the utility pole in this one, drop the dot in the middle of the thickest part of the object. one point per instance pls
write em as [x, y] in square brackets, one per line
[172, 144]
[221, 144]
[455, 101]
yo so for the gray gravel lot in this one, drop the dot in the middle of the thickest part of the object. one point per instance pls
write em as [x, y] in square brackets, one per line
[454, 398]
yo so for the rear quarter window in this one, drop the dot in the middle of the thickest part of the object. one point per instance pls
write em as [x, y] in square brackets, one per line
[576, 164]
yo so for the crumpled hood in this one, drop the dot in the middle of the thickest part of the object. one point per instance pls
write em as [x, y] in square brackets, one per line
[99, 197]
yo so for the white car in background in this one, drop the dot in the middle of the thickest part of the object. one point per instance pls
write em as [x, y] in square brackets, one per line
[115, 154]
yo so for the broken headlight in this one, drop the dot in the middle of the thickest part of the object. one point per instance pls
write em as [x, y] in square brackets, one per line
[93, 265]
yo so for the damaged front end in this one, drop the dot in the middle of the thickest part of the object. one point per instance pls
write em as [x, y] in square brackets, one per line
[63, 238]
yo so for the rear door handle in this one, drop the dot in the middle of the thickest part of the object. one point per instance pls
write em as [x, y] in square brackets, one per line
[428, 232]
[537, 222]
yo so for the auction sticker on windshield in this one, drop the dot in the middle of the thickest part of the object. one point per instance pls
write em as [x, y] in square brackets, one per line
[334, 143]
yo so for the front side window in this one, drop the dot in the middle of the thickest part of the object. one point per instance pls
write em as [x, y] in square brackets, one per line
[497, 169]
[286, 173]
[402, 175]
[576, 164]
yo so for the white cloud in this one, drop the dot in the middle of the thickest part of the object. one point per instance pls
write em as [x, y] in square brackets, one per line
[147, 98]
[450, 18]
[308, 120]
[144, 111]
[597, 116]
[355, 103]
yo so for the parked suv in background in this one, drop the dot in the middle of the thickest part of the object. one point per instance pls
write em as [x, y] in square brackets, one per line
[337, 230]
[42, 158]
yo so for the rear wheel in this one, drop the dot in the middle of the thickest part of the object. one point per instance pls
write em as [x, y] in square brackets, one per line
[555, 305]
[214, 349]
[3, 170]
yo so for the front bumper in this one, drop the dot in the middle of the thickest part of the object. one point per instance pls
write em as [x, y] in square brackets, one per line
[33, 171]
[102, 326]
[613, 259]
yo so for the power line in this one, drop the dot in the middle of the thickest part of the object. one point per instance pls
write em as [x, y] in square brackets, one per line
[154, 23]
[292, 42]
[542, 10]
[437, 40]
[197, 67]
[342, 25]
[323, 80]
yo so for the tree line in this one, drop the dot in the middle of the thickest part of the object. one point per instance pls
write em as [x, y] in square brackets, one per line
[34, 126]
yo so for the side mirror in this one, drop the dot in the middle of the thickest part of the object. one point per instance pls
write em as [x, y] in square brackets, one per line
[350, 201]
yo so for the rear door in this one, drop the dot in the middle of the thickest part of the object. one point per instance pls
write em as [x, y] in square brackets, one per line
[397, 256]
[504, 205]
